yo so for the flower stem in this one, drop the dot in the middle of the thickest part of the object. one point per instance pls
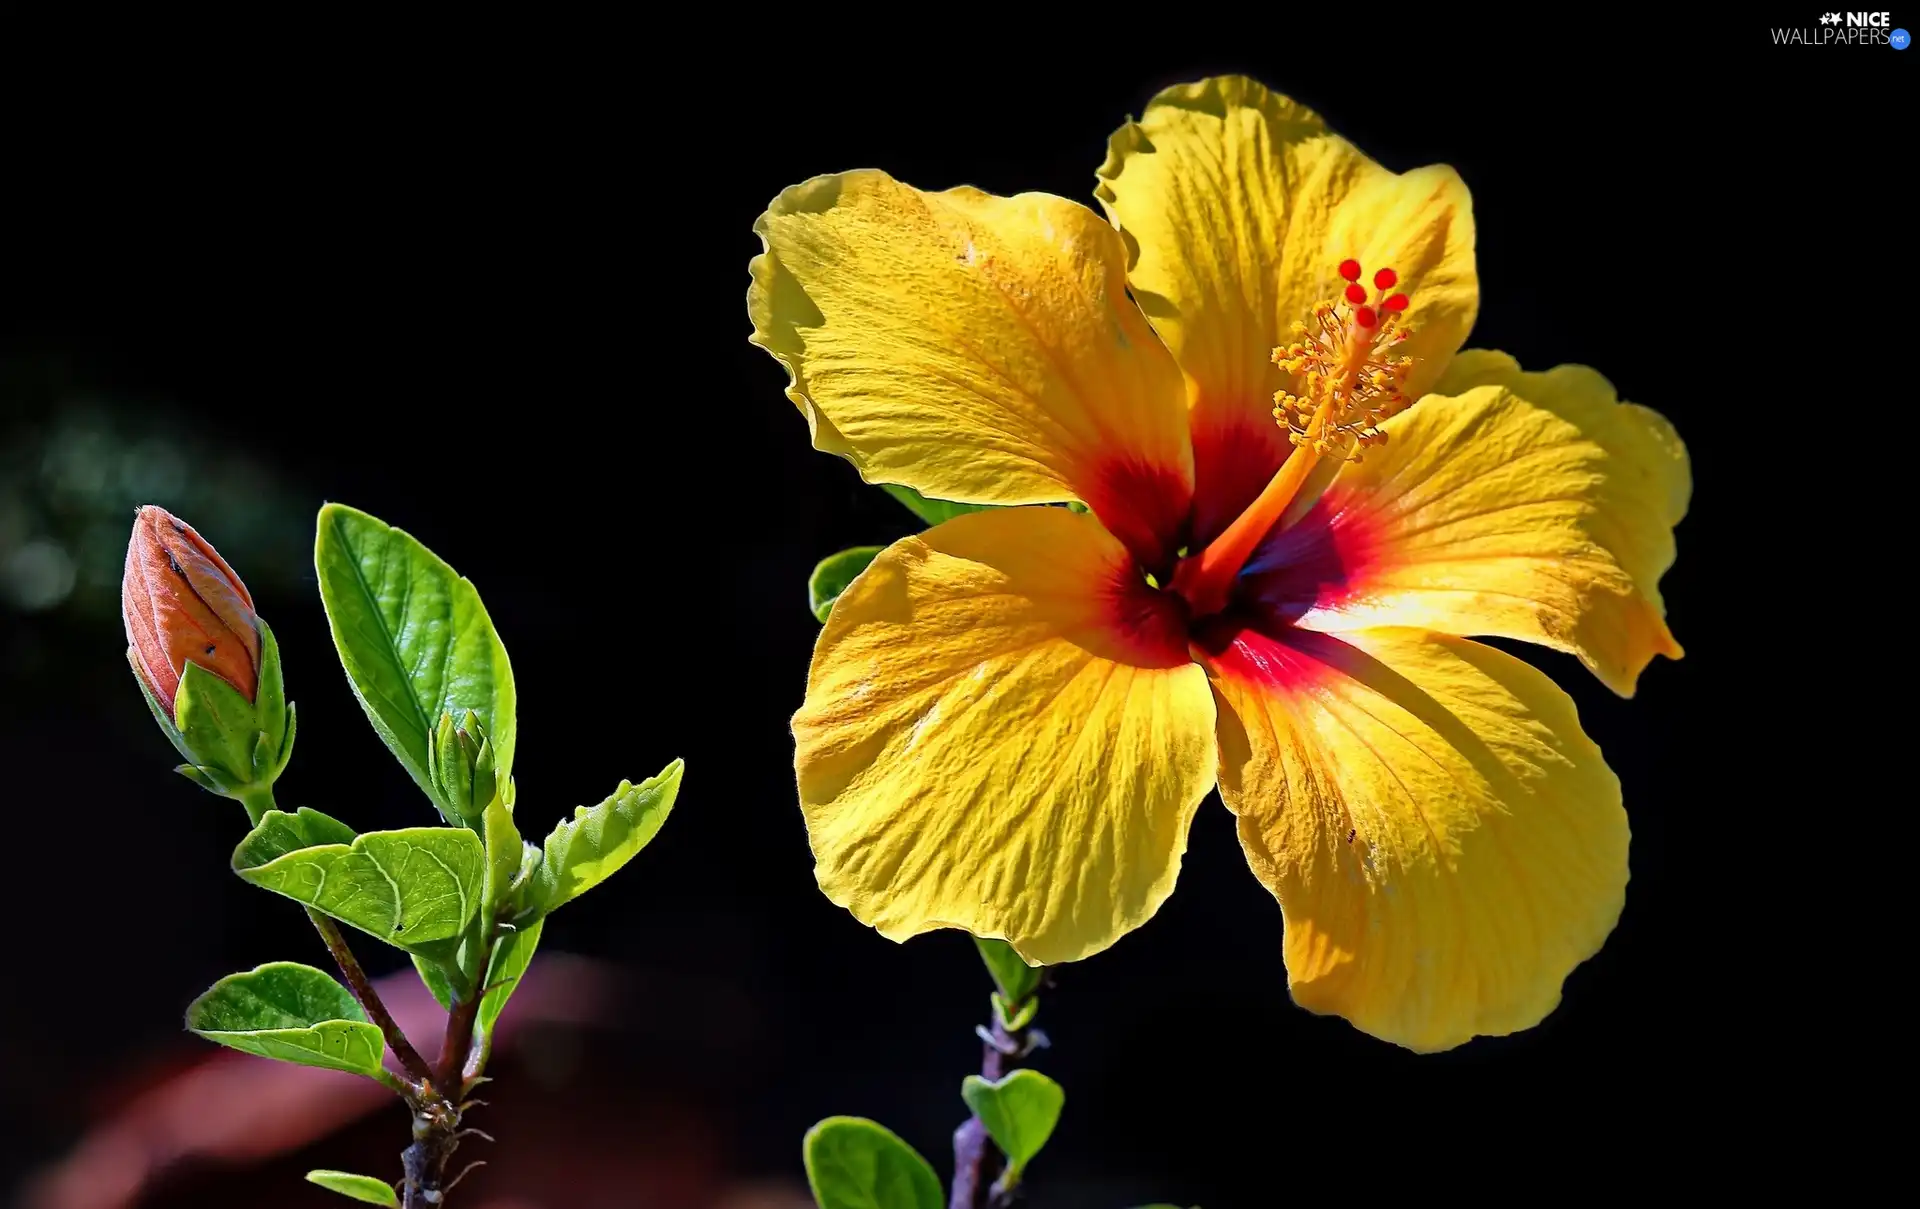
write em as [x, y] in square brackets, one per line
[257, 802]
[975, 1161]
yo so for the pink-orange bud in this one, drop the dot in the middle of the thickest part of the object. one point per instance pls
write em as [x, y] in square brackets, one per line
[183, 604]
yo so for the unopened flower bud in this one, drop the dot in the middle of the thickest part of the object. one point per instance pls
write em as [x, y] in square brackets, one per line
[208, 665]
[183, 604]
[462, 764]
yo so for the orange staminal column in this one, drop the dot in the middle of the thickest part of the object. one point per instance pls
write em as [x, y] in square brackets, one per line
[1348, 385]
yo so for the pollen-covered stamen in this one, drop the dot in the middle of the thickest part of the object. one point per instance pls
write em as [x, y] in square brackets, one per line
[1349, 380]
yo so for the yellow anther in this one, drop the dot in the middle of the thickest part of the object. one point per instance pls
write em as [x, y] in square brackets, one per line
[1346, 379]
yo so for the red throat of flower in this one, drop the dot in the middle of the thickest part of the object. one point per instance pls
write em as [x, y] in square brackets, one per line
[1349, 383]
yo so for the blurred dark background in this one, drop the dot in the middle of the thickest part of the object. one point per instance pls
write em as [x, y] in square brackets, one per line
[499, 303]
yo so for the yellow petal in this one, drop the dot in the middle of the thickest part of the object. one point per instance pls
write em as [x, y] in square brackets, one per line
[1529, 506]
[975, 348]
[1003, 732]
[1445, 843]
[1238, 206]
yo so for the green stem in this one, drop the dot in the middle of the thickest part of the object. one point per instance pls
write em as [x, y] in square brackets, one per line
[257, 801]
[460, 1059]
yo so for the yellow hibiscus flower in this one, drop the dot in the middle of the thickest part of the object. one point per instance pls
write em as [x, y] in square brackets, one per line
[1301, 497]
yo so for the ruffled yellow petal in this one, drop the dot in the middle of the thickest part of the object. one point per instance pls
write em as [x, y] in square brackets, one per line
[1003, 732]
[975, 348]
[1529, 506]
[1238, 206]
[1446, 845]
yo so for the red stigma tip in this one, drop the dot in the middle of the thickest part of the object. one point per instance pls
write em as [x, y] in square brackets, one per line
[1350, 269]
[1364, 316]
[1396, 303]
[1385, 279]
[1356, 294]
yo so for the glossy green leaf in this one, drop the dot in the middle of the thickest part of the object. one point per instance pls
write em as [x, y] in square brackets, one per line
[511, 955]
[434, 977]
[585, 850]
[505, 850]
[853, 1163]
[217, 726]
[450, 968]
[833, 574]
[1015, 978]
[415, 640]
[362, 1188]
[408, 887]
[291, 1012]
[1019, 1112]
[279, 832]
[931, 511]
[1012, 1018]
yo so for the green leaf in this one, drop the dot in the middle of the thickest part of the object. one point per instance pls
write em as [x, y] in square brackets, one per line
[585, 850]
[434, 977]
[271, 708]
[931, 511]
[1019, 1112]
[278, 833]
[1015, 978]
[408, 887]
[415, 640]
[291, 1012]
[505, 850]
[853, 1163]
[362, 1188]
[1011, 1018]
[833, 574]
[511, 954]
[218, 727]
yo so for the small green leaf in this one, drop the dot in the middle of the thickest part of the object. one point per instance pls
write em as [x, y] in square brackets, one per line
[1015, 1019]
[278, 833]
[511, 954]
[504, 850]
[434, 977]
[585, 850]
[217, 726]
[270, 706]
[291, 1012]
[833, 574]
[415, 640]
[1019, 1112]
[363, 1188]
[1015, 978]
[931, 511]
[853, 1163]
[408, 887]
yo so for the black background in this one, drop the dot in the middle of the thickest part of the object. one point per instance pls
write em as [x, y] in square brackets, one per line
[497, 299]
